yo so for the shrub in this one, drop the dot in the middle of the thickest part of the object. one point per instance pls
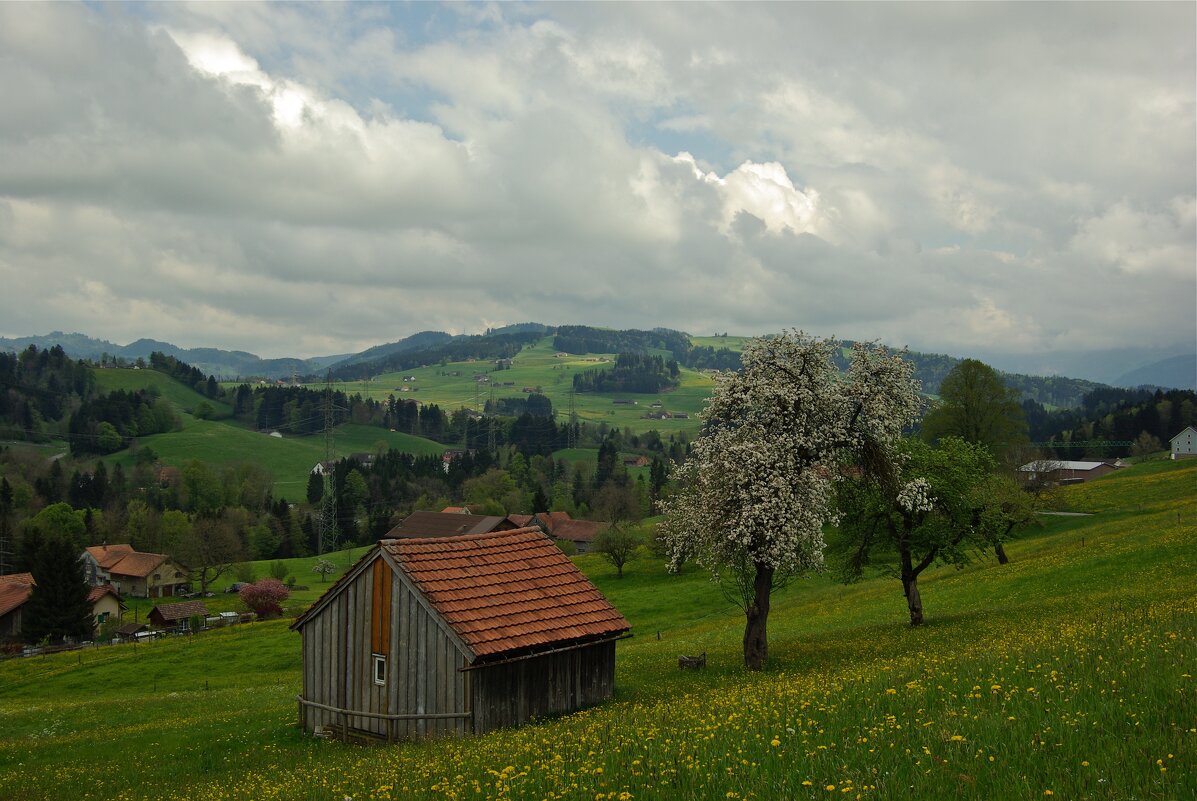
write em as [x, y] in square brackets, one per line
[245, 572]
[278, 570]
[568, 547]
[265, 597]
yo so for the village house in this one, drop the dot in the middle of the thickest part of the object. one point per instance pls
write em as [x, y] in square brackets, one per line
[1184, 444]
[560, 526]
[106, 604]
[130, 572]
[454, 636]
[447, 524]
[15, 589]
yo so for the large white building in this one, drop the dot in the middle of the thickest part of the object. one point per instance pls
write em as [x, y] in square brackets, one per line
[1184, 444]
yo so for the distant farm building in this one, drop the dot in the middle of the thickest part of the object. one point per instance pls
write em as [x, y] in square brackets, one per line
[455, 636]
[1184, 444]
[1064, 471]
[177, 616]
[15, 589]
[447, 524]
[130, 572]
[560, 526]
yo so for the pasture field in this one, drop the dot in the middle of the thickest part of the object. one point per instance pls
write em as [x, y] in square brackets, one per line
[184, 398]
[1067, 674]
[289, 459]
[538, 366]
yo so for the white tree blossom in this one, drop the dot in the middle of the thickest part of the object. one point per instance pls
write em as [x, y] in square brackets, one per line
[757, 491]
[916, 496]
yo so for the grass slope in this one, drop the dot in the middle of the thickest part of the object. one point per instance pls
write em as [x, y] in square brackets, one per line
[1066, 674]
[289, 459]
[184, 398]
[538, 366]
[218, 442]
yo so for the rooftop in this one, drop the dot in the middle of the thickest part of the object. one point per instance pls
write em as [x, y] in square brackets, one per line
[443, 524]
[507, 591]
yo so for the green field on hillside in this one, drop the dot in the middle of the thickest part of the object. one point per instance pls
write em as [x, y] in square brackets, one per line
[453, 386]
[1066, 674]
[289, 459]
[184, 398]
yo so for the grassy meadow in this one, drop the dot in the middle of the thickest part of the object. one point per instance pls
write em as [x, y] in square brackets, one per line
[289, 459]
[1067, 674]
[185, 399]
[538, 366]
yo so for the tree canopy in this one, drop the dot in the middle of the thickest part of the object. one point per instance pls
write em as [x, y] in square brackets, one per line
[976, 405]
[932, 504]
[753, 499]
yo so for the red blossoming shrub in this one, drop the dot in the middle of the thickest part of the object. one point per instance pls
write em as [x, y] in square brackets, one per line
[265, 597]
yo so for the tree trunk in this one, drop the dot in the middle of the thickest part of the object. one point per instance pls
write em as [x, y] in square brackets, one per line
[756, 642]
[910, 585]
[1001, 553]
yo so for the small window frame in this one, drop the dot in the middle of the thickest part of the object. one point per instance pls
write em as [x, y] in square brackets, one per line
[380, 669]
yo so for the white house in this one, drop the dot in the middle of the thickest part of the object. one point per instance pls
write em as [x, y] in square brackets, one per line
[1184, 444]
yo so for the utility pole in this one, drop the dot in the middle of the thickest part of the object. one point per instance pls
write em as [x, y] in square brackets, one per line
[571, 436]
[327, 531]
[491, 434]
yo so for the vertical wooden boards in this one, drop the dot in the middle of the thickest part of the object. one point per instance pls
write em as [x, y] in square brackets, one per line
[380, 609]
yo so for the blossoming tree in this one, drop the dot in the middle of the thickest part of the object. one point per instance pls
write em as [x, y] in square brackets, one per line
[757, 490]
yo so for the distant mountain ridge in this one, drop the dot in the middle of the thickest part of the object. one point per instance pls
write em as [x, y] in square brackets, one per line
[1176, 371]
[224, 364]
[1179, 372]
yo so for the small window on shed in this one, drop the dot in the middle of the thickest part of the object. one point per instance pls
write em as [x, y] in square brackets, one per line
[380, 669]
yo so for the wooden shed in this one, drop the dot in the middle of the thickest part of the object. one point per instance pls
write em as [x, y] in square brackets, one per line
[455, 635]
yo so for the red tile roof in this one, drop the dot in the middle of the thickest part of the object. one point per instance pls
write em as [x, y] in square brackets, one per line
[507, 591]
[560, 526]
[108, 555]
[122, 560]
[99, 592]
[15, 589]
[578, 530]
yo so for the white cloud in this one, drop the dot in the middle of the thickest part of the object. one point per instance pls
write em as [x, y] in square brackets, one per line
[307, 178]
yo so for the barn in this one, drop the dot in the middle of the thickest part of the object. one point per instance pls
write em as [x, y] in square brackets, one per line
[455, 635]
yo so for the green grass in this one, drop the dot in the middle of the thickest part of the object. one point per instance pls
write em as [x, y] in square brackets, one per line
[538, 366]
[1067, 674]
[289, 459]
[589, 456]
[222, 442]
[184, 398]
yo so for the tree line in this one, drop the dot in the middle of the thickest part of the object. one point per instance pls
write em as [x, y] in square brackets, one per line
[632, 372]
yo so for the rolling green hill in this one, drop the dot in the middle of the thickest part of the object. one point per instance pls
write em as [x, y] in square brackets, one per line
[453, 386]
[1067, 674]
[217, 442]
[289, 460]
[184, 398]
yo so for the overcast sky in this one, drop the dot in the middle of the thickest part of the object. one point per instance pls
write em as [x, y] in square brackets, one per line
[307, 179]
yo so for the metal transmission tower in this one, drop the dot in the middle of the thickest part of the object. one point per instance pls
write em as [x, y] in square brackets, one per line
[490, 438]
[328, 534]
[572, 429]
